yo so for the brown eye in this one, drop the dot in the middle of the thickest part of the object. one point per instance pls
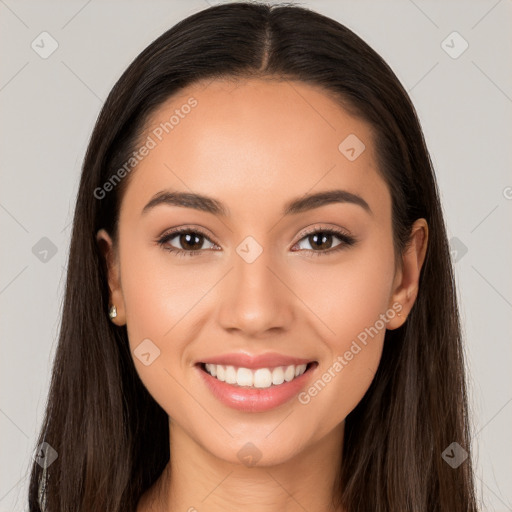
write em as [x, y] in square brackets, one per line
[185, 241]
[190, 241]
[321, 241]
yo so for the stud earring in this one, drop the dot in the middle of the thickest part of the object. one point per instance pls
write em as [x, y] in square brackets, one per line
[113, 312]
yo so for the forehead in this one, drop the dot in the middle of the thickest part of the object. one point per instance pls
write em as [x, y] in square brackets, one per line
[253, 142]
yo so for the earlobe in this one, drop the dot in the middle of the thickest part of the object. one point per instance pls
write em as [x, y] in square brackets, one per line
[406, 289]
[116, 310]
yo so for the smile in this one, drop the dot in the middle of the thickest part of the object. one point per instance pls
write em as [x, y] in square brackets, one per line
[255, 378]
[268, 382]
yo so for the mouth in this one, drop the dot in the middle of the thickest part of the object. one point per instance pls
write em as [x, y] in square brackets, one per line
[256, 378]
[255, 382]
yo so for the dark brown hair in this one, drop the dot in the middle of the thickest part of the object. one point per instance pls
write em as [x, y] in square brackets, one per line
[111, 437]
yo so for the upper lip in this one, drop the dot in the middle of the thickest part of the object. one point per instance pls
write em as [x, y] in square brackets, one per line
[266, 360]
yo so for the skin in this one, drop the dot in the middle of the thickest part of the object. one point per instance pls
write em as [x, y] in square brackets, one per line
[254, 145]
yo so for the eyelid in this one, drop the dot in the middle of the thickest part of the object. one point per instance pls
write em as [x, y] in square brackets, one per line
[163, 239]
[319, 227]
[186, 229]
[347, 240]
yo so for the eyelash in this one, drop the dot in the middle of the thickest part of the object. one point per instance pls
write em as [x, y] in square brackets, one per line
[346, 241]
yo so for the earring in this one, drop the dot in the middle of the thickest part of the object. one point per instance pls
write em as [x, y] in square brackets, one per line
[113, 312]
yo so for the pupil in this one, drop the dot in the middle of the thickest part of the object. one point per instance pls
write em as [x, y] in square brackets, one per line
[185, 239]
[323, 238]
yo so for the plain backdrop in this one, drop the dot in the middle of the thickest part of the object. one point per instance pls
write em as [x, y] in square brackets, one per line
[48, 108]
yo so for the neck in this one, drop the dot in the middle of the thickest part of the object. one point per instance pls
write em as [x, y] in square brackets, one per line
[195, 480]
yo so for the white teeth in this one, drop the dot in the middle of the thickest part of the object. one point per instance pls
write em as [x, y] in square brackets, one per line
[230, 375]
[244, 377]
[277, 376]
[211, 369]
[300, 369]
[221, 372]
[289, 373]
[260, 378]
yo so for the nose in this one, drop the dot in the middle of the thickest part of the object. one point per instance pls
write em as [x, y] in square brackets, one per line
[255, 299]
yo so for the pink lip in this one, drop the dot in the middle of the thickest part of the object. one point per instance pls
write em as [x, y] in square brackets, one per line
[248, 399]
[266, 360]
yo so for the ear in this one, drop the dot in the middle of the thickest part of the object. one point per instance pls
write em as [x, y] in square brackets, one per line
[114, 276]
[405, 285]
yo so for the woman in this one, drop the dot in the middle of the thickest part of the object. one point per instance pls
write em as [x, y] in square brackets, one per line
[260, 309]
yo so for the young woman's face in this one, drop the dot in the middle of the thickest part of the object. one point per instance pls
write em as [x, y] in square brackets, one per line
[315, 285]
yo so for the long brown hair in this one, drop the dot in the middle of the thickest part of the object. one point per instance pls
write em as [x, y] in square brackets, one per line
[111, 437]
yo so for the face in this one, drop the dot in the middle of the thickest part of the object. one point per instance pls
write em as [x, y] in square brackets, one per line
[262, 276]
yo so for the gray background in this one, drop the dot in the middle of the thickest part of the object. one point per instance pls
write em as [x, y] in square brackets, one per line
[48, 110]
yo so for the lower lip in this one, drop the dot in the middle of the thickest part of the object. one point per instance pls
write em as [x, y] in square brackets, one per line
[255, 399]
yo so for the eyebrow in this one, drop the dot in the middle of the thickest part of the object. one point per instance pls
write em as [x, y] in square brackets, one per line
[215, 207]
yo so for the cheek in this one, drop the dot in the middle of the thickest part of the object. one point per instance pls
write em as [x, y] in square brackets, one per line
[352, 302]
[161, 301]
[157, 290]
[348, 295]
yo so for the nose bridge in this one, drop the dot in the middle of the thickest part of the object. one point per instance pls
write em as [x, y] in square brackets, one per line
[253, 298]
[251, 268]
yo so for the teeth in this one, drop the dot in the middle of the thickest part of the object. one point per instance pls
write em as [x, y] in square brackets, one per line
[221, 373]
[230, 375]
[260, 378]
[289, 373]
[244, 377]
[278, 375]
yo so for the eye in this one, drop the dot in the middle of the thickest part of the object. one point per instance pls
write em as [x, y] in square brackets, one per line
[322, 240]
[190, 240]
